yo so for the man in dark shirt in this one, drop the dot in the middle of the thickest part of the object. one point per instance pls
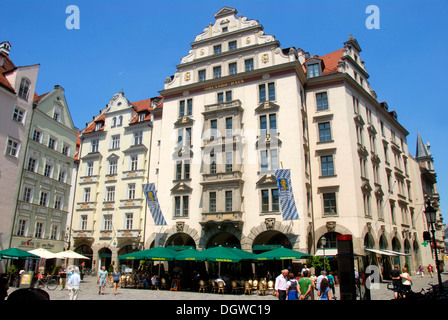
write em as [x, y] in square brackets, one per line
[396, 280]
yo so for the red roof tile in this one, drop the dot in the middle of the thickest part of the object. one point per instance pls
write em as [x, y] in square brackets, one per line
[6, 66]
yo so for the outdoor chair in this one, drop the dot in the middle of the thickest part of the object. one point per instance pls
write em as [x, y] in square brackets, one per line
[247, 287]
[270, 289]
[221, 287]
[214, 287]
[202, 286]
[163, 284]
[255, 286]
[235, 287]
[262, 288]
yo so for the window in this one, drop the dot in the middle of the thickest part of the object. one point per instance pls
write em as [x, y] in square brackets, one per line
[110, 193]
[363, 167]
[212, 162]
[379, 207]
[27, 195]
[217, 72]
[329, 203]
[65, 149]
[212, 201]
[114, 122]
[141, 117]
[31, 164]
[48, 170]
[229, 201]
[120, 121]
[52, 142]
[37, 135]
[98, 126]
[43, 200]
[232, 45]
[269, 160]
[107, 222]
[313, 70]
[115, 142]
[322, 101]
[264, 200]
[201, 75]
[89, 169]
[268, 128]
[131, 191]
[355, 105]
[138, 138]
[39, 231]
[372, 143]
[376, 174]
[181, 206]
[229, 127]
[359, 137]
[366, 199]
[18, 115]
[269, 200]
[227, 95]
[213, 129]
[270, 87]
[180, 139]
[83, 223]
[324, 132]
[24, 88]
[113, 167]
[94, 144]
[134, 163]
[249, 64]
[233, 69]
[129, 221]
[185, 205]
[229, 161]
[58, 202]
[187, 170]
[217, 49]
[392, 212]
[54, 235]
[177, 206]
[12, 148]
[57, 114]
[185, 111]
[21, 227]
[274, 197]
[327, 165]
[86, 195]
[179, 170]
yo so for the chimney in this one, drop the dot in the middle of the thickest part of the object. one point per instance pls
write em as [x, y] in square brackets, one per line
[5, 48]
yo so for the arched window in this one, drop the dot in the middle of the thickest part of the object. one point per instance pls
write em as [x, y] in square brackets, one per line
[120, 120]
[24, 88]
[114, 121]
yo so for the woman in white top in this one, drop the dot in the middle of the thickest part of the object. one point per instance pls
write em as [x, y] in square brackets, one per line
[406, 281]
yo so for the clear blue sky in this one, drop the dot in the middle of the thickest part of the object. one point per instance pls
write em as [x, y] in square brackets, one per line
[134, 45]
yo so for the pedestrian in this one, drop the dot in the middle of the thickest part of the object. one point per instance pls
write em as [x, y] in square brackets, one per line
[323, 275]
[406, 282]
[420, 271]
[116, 275]
[280, 285]
[305, 268]
[62, 277]
[291, 288]
[430, 270]
[330, 278]
[102, 278]
[324, 291]
[305, 286]
[74, 281]
[396, 280]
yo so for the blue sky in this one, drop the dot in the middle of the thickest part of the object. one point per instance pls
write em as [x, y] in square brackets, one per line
[134, 45]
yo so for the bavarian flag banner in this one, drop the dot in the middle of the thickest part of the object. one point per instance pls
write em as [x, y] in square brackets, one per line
[149, 190]
[287, 203]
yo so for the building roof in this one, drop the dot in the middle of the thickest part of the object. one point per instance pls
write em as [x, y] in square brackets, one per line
[422, 150]
[6, 67]
[330, 61]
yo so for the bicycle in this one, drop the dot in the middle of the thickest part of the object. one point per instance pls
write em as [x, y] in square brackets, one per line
[49, 281]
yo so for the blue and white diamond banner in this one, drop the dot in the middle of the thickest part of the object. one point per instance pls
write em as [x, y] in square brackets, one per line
[287, 203]
[149, 190]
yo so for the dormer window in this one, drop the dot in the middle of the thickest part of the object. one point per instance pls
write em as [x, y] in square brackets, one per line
[24, 88]
[141, 117]
[97, 126]
[313, 70]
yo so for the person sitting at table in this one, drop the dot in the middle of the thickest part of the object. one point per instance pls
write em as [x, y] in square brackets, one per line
[218, 280]
[140, 279]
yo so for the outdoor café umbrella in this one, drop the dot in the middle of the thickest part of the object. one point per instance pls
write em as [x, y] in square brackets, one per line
[189, 255]
[43, 254]
[220, 254]
[69, 254]
[14, 253]
[281, 254]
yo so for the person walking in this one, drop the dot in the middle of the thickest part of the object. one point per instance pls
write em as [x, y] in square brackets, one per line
[291, 288]
[430, 270]
[116, 276]
[324, 291]
[74, 283]
[330, 278]
[406, 282]
[396, 280]
[280, 285]
[420, 271]
[305, 286]
[62, 277]
[102, 278]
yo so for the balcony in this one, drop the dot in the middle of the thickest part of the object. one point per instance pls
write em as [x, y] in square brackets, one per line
[82, 234]
[229, 217]
[234, 105]
[133, 234]
[85, 206]
[88, 179]
[136, 174]
[131, 203]
[221, 177]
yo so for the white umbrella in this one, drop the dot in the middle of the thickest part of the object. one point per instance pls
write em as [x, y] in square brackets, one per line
[69, 254]
[44, 254]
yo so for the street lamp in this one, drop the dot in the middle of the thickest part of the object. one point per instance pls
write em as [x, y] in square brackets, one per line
[430, 213]
[323, 242]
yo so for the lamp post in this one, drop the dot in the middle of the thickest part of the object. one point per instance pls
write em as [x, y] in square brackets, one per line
[430, 213]
[323, 242]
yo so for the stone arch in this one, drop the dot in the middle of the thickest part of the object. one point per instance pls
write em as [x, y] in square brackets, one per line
[330, 226]
[180, 227]
[212, 232]
[271, 225]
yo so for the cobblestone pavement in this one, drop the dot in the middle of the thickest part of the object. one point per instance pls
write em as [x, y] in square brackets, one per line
[89, 291]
